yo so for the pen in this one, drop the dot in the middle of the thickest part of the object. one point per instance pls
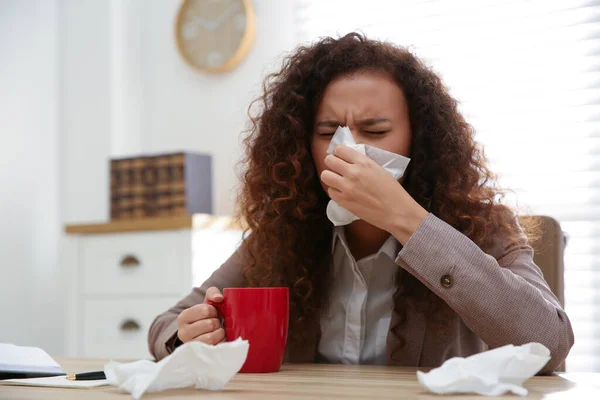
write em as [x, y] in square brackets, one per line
[87, 376]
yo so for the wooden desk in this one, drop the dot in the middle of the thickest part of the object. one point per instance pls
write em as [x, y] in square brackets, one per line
[312, 381]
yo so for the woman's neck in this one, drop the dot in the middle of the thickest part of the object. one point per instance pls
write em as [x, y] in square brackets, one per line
[364, 239]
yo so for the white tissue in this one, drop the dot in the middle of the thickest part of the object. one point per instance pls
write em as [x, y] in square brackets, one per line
[193, 363]
[491, 373]
[393, 163]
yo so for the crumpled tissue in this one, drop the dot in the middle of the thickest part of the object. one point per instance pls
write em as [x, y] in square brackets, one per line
[491, 373]
[393, 163]
[193, 363]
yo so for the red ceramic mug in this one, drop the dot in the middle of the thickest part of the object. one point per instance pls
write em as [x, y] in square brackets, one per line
[259, 315]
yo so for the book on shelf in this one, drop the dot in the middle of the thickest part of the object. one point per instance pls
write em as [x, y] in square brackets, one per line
[161, 185]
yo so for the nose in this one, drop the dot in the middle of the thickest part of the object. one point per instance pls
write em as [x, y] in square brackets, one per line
[355, 135]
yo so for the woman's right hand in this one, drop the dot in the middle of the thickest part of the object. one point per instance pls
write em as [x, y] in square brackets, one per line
[201, 322]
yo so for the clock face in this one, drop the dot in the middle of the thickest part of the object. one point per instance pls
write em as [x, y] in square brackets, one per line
[215, 35]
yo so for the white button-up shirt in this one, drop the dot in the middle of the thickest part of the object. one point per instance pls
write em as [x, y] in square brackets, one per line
[356, 321]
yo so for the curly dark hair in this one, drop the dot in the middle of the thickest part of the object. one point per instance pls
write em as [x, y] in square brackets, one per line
[281, 198]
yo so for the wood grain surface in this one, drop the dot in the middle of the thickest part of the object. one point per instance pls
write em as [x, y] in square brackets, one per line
[317, 381]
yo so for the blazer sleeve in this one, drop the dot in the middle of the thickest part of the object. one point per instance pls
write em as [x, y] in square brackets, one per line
[163, 331]
[503, 299]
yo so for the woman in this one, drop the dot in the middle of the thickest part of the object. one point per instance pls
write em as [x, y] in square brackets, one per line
[443, 268]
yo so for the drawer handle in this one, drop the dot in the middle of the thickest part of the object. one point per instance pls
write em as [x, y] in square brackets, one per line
[130, 261]
[130, 325]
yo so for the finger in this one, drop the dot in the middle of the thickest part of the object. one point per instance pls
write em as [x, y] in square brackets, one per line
[332, 179]
[190, 331]
[213, 294]
[337, 165]
[349, 155]
[199, 328]
[334, 194]
[214, 337]
[196, 313]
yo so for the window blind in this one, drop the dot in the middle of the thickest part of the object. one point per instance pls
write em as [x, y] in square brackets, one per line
[527, 76]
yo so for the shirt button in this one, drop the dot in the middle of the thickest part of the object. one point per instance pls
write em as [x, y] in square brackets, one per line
[447, 281]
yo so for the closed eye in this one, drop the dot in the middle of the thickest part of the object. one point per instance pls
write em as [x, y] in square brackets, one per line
[326, 134]
[376, 132]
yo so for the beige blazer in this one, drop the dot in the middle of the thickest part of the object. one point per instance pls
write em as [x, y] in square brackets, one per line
[497, 296]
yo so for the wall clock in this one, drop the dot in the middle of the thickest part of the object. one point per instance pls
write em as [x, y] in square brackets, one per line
[215, 35]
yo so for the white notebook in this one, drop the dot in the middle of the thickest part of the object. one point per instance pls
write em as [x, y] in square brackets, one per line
[26, 362]
[55, 381]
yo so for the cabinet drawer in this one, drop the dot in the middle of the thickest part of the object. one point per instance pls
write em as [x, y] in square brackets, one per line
[141, 263]
[119, 328]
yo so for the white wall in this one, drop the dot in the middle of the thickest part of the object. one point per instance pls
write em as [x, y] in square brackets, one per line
[82, 81]
[85, 112]
[30, 304]
[127, 90]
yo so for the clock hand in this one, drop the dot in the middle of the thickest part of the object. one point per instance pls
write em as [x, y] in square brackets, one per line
[225, 15]
[214, 25]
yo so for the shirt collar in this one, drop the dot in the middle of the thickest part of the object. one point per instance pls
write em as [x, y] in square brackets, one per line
[390, 247]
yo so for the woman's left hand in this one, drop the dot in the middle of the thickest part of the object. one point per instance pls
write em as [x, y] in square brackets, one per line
[367, 190]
